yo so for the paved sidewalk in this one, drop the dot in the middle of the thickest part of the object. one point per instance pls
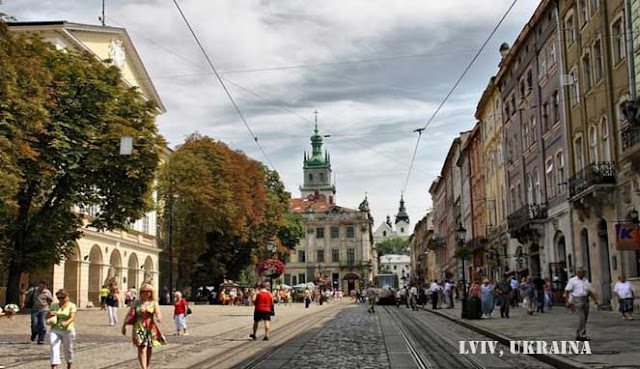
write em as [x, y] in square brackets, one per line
[614, 342]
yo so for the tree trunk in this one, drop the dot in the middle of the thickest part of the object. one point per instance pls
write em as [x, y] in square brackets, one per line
[13, 284]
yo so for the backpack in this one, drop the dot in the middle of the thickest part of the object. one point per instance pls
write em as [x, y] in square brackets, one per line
[29, 301]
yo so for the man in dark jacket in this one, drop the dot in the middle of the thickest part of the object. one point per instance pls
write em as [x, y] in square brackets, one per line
[504, 291]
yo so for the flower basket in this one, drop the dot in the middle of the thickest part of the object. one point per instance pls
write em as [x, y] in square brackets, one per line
[271, 268]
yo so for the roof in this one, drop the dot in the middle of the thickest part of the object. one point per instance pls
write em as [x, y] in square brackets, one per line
[145, 80]
[299, 205]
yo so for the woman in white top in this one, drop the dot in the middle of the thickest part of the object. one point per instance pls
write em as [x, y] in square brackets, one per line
[624, 292]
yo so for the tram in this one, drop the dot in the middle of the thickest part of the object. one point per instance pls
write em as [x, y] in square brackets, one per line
[386, 284]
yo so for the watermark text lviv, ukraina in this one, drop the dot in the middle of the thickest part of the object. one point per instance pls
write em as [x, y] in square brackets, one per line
[526, 348]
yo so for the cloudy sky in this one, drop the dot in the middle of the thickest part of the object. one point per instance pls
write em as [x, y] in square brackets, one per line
[374, 69]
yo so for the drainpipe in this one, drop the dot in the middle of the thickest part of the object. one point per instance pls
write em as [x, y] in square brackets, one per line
[565, 130]
[630, 52]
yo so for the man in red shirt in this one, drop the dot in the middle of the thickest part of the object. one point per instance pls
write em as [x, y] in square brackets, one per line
[263, 303]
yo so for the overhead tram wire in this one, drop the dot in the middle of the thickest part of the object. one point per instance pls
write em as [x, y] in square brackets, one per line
[255, 138]
[357, 142]
[453, 88]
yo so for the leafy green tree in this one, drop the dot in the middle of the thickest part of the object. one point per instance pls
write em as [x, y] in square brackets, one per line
[62, 114]
[222, 209]
[393, 246]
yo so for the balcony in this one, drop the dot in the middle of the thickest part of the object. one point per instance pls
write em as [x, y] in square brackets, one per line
[631, 145]
[526, 215]
[594, 175]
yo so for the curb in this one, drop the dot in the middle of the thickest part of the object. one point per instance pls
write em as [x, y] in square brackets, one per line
[553, 360]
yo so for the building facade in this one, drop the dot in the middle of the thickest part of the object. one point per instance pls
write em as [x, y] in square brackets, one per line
[337, 250]
[124, 257]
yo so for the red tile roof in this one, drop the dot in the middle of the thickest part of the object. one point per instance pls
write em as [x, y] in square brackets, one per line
[299, 205]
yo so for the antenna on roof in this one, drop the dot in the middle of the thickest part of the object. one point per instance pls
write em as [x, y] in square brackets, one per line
[102, 19]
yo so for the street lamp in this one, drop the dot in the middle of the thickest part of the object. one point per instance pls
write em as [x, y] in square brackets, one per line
[461, 232]
[271, 248]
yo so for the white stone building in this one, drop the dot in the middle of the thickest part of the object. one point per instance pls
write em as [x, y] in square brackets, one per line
[400, 228]
[126, 257]
[399, 265]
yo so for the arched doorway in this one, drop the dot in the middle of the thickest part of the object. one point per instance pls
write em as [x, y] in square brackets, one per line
[605, 271]
[72, 274]
[148, 270]
[95, 274]
[584, 248]
[115, 265]
[534, 263]
[132, 274]
[351, 282]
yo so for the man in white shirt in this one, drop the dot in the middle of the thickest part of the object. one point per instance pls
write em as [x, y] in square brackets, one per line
[624, 291]
[448, 296]
[413, 297]
[435, 287]
[577, 293]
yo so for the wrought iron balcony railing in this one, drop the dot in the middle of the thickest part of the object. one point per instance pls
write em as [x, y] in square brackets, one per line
[593, 174]
[526, 214]
[630, 137]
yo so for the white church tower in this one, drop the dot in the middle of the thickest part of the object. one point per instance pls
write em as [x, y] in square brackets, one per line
[403, 226]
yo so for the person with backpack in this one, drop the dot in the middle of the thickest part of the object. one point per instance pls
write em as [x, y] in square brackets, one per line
[37, 299]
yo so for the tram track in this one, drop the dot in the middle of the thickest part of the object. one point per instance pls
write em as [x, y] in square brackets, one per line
[281, 335]
[429, 348]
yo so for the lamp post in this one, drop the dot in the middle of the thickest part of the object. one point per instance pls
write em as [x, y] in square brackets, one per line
[172, 197]
[461, 233]
[271, 247]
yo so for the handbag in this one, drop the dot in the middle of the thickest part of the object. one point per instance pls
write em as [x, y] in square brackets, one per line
[53, 320]
[189, 312]
[131, 317]
[273, 310]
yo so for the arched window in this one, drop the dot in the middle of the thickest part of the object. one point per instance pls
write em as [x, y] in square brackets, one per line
[606, 146]
[310, 177]
[529, 189]
[593, 144]
[577, 148]
[321, 177]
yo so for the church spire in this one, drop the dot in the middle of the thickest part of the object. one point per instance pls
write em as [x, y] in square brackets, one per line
[316, 159]
[402, 212]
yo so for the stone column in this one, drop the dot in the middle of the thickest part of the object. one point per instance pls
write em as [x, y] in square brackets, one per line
[83, 285]
[57, 279]
[123, 273]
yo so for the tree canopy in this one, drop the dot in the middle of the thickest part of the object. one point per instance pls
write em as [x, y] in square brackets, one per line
[393, 246]
[61, 116]
[221, 208]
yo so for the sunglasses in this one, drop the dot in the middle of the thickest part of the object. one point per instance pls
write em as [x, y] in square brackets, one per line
[60, 297]
[145, 291]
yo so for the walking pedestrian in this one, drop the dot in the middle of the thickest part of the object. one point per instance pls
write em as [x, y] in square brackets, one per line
[529, 292]
[104, 292]
[112, 303]
[372, 295]
[262, 312]
[548, 294]
[180, 308]
[624, 291]
[486, 297]
[145, 316]
[578, 289]
[307, 298]
[539, 283]
[38, 299]
[62, 315]
[515, 298]
[505, 292]
[448, 294]
[413, 297]
[435, 287]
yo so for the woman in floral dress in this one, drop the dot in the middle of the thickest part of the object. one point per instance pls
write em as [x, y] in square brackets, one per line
[145, 316]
